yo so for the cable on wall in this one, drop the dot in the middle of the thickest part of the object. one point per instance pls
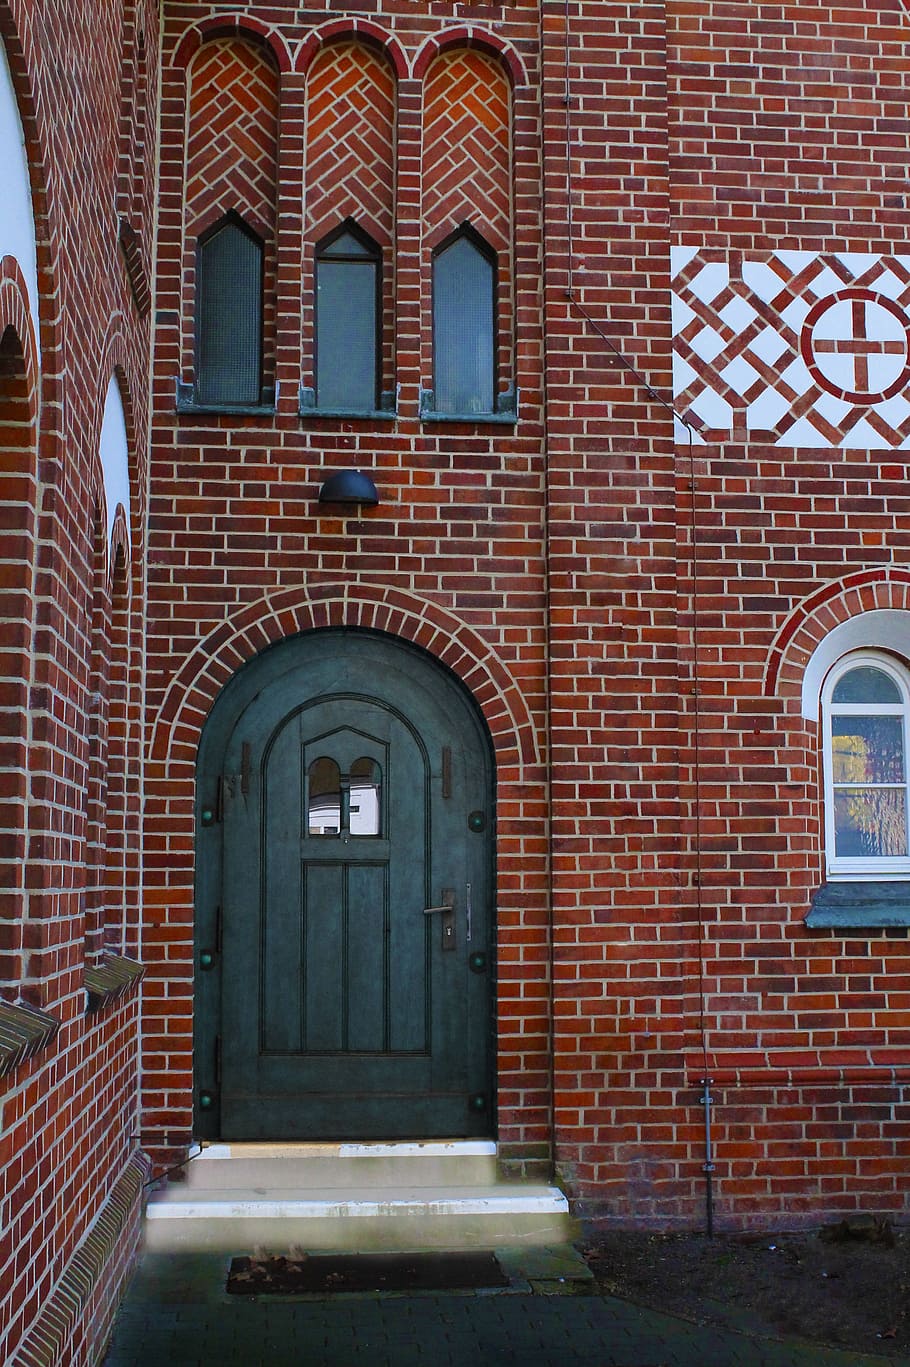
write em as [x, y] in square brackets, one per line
[706, 1099]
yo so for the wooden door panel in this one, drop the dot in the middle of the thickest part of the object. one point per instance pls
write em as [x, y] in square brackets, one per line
[342, 1010]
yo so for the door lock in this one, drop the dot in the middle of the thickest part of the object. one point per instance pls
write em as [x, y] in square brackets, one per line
[446, 913]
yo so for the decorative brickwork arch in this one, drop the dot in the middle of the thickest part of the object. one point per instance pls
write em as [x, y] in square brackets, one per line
[232, 26]
[876, 590]
[471, 37]
[350, 175]
[347, 30]
[20, 42]
[284, 613]
[466, 165]
[231, 175]
[16, 315]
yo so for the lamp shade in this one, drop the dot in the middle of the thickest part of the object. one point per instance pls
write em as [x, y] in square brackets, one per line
[349, 486]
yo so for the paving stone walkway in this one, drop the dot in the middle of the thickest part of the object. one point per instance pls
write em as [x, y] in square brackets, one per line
[178, 1314]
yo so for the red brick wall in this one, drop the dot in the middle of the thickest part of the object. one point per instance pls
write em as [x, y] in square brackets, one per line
[17, 551]
[803, 146]
[659, 814]
[68, 1116]
[231, 154]
[241, 552]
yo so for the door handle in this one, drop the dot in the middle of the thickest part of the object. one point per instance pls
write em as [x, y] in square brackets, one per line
[447, 918]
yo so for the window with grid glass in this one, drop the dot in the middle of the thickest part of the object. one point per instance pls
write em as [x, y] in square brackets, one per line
[348, 346]
[228, 366]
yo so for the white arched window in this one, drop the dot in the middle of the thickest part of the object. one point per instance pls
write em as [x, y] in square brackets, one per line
[865, 704]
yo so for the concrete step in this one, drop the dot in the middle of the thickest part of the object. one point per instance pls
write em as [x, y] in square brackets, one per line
[315, 1167]
[361, 1198]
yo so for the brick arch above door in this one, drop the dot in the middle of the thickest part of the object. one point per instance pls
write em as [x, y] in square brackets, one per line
[286, 612]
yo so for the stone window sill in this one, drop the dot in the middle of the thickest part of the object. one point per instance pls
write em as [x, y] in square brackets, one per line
[24, 1032]
[872, 905]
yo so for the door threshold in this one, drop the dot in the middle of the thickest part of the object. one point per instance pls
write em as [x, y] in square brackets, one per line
[366, 1148]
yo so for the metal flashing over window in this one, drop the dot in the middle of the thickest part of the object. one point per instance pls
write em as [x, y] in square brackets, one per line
[387, 409]
[505, 415]
[187, 401]
[860, 906]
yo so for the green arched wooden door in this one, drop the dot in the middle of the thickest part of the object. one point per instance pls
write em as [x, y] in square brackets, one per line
[343, 917]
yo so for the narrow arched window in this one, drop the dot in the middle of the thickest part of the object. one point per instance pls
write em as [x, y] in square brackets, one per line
[229, 315]
[865, 712]
[348, 292]
[464, 325]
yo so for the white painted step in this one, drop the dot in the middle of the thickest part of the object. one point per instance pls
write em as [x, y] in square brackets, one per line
[275, 1197]
[314, 1167]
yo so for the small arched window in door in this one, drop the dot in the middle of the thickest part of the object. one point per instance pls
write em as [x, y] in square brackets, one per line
[348, 283]
[228, 367]
[464, 324]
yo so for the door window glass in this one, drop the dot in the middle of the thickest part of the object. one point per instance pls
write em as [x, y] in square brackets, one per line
[323, 797]
[366, 797]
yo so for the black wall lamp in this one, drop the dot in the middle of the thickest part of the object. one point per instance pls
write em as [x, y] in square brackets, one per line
[349, 486]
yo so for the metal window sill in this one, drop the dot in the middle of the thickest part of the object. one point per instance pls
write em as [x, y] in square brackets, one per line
[229, 410]
[112, 980]
[857, 905]
[24, 1032]
[187, 402]
[358, 414]
[495, 419]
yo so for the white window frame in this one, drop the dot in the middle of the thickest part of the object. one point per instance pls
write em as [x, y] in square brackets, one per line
[871, 867]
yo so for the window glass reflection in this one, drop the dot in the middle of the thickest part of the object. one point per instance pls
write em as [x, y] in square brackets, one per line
[867, 749]
[323, 797]
[366, 797]
[870, 823]
[866, 684]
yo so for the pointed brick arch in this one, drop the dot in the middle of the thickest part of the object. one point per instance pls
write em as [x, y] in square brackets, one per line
[195, 687]
[350, 174]
[466, 164]
[231, 167]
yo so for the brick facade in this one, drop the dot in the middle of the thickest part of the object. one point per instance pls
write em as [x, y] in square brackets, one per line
[657, 859]
[699, 220]
[72, 629]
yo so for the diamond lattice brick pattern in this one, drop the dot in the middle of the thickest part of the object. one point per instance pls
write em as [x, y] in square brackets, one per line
[793, 348]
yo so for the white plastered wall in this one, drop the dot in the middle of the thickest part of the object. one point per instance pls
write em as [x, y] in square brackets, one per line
[17, 223]
[114, 457]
